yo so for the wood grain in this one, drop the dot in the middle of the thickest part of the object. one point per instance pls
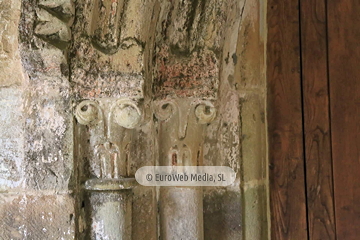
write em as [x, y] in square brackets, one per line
[344, 74]
[287, 184]
[319, 181]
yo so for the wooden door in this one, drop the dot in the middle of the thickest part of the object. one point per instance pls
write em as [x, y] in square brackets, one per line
[314, 118]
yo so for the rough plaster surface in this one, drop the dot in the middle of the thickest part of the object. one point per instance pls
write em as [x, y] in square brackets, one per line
[62, 52]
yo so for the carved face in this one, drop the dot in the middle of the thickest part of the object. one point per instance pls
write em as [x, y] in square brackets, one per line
[181, 128]
[109, 123]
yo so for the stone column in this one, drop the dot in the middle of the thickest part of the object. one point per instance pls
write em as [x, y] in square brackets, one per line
[185, 89]
[181, 133]
[108, 187]
[108, 78]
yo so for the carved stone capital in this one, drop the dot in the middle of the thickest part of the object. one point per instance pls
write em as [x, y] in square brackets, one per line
[181, 123]
[204, 111]
[110, 122]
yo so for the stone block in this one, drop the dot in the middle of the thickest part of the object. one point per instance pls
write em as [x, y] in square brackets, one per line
[255, 219]
[144, 213]
[253, 137]
[222, 211]
[249, 70]
[49, 139]
[11, 138]
[10, 67]
[25, 216]
[221, 145]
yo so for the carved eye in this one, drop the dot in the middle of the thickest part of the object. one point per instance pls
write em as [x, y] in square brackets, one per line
[87, 112]
[127, 114]
[164, 110]
[205, 113]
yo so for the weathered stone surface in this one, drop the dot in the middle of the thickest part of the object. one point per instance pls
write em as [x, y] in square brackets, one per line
[248, 79]
[10, 67]
[255, 213]
[221, 214]
[250, 49]
[47, 109]
[144, 224]
[188, 47]
[27, 216]
[11, 139]
[108, 149]
[110, 215]
[144, 50]
[181, 213]
[144, 218]
[253, 137]
[110, 128]
[221, 147]
[11, 99]
[181, 124]
[109, 53]
[142, 146]
[223, 143]
[196, 75]
[49, 137]
[52, 29]
[109, 48]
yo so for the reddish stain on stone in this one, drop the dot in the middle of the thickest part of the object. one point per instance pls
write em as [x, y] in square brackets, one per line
[184, 77]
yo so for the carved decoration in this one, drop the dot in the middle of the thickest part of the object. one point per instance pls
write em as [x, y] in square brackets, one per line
[108, 49]
[109, 14]
[54, 19]
[188, 49]
[109, 126]
[108, 70]
[181, 127]
[88, 112]
[109, 155]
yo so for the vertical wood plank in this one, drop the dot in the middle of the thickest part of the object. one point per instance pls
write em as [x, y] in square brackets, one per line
[287, 184]
[321, 222]
[344, 75]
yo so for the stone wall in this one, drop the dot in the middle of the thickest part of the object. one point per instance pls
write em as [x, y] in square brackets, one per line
[58, 54]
